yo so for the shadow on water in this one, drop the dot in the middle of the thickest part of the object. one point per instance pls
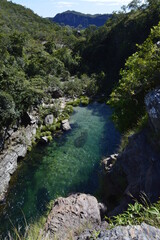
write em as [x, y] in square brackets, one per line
[70, 163]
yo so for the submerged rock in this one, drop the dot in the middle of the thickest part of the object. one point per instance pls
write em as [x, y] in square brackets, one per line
[71, 215]
[81, 140]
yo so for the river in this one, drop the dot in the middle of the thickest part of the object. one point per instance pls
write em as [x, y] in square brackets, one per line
[70, 163]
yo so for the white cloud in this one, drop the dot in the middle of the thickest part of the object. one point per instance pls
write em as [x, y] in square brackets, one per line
[115, 2]
[63, 3]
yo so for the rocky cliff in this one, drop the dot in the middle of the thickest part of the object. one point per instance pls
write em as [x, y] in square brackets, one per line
[137, 169]
[16, 145]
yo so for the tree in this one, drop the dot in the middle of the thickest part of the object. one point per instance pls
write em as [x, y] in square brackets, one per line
[7, 109]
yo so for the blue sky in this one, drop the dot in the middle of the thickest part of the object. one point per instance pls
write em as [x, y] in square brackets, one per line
[49, 8]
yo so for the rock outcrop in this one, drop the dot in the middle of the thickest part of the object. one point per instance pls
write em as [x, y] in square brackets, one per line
[142, 232]
[77, 217]
[137, 168]
[16, 147]
[69, 216]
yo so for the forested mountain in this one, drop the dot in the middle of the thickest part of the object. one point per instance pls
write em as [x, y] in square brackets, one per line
[75, 19]
[107, 48]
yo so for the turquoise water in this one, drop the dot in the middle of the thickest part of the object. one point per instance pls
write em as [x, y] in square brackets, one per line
[70, 163]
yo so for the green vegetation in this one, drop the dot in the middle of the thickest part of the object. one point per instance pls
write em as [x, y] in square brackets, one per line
[106, 49]
[142, 122]
[36, 60]
[32, 231]
[140, 75]
[84, 100]
[138, 213]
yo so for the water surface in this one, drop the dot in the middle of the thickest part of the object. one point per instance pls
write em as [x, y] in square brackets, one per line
[70, 163]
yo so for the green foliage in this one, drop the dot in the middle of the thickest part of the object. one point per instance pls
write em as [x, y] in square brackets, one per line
[7, 109]
[138, 213]
[84, 100]
[68, 109]
[140, 75]
[107, 48]
[74, 103]
[142, 122]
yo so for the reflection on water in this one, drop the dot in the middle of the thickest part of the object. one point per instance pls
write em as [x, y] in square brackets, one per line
[70, 163]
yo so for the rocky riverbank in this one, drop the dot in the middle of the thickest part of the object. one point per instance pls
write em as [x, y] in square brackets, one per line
[16, 148]
[19, 140]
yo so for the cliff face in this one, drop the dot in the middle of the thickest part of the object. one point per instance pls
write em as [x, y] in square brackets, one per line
[138, 166]
[74, 19]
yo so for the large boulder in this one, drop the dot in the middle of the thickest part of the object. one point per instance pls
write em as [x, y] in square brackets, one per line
[71, 215]
[152, 102]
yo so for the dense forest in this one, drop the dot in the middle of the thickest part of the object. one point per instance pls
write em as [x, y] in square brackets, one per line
[38, 56]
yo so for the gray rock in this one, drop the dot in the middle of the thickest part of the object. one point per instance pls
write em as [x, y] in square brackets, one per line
[44, 139]
[16, 147]
[71, 215]
[65, 125]
[49, 119]
[108, 163]
[152, 102]
[142, 232]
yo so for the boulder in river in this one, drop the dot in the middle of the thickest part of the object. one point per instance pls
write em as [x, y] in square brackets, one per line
[65, 125]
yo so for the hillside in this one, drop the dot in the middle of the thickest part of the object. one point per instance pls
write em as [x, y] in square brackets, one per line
[75, 19]
[107, 48]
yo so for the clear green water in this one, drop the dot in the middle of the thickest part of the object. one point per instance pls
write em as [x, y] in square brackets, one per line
[68, 164]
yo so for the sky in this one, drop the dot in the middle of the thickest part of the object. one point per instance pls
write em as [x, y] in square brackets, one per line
[49, 8]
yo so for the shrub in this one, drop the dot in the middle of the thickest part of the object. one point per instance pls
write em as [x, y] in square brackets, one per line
[74, 103]
[138, 213]
[84, 100]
